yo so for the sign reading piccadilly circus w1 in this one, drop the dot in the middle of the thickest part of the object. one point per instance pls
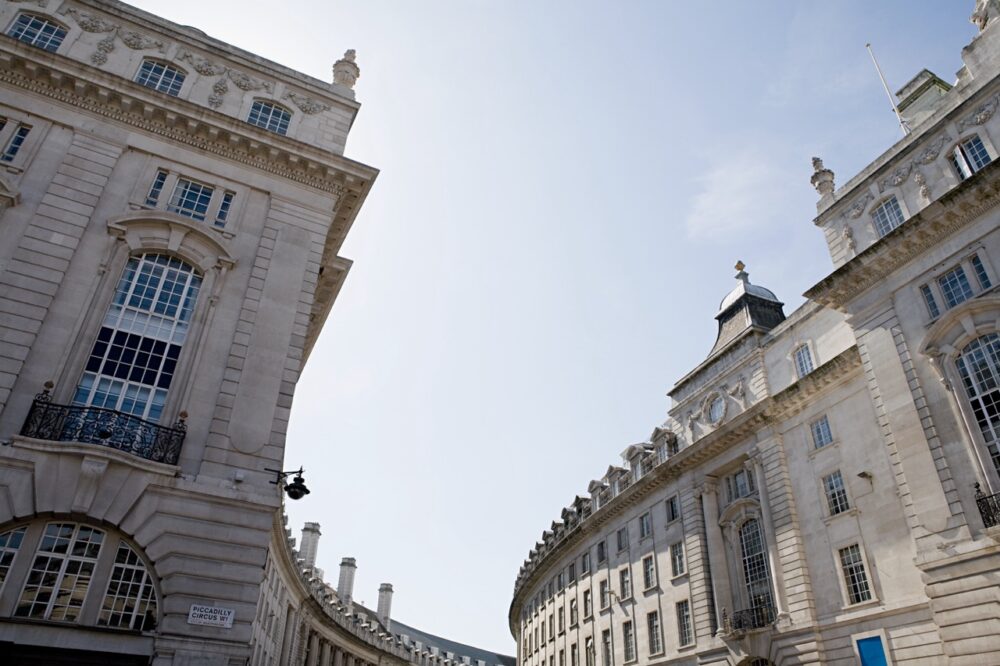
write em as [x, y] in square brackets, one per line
[211, 616]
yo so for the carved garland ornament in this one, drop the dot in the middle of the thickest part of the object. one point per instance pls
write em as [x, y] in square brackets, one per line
[130, 38]
[221, 86]
[858, 207]
[980, 115]
[307, 105]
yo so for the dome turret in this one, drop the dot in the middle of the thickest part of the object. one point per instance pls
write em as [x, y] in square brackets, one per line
[747, 307]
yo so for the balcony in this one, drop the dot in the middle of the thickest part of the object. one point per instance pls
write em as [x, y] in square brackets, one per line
[989, 507]
[104, 427]
[750, 619]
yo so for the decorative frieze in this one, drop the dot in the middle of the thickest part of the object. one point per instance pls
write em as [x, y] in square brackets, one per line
[130, 38]
[981, 115]
[226, 75]
[307, 105]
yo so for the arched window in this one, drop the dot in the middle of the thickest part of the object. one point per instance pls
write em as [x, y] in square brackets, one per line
[160, 76]
[270, 116]
[38, 31]
[755, 568]
[67, 557]
[979, 368]
[887, 216]
[134, 358]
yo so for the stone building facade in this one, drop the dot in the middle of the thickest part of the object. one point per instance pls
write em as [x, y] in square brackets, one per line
[825, 487]
[172, 214]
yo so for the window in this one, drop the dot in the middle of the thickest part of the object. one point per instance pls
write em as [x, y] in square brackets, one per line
[159, 76]
[588, 605]
[573, 619]
[684, 634]
[190, 199]
[605, 594]
[15, 143]
[677, 558]
[60, 574]
[585, 564]
[134, 358]
[716, 409]
[622, 537]
[836, 495]
[655, 635]
[969, 157]
[552, 627]
[602, 552]
[130, 602]
[542, 627]
[269, 116]
[648, 572]
[803, 360]
[10, 542]
[574, 657]
[979, 367]
[673, 511]
[821, 433]
[562, 657]
[606, 653]
[645, 525]
[755, 568]
[560, 580]
[156, 188]
[955, 287]
[980, 270]
[562, 620]
[930, 302]
[887, 216]
[37, 31]
[625, 578]
[224, 207]
[854, 575]
[739, 485]
[571, 572]
[588, 650]
[628, 640]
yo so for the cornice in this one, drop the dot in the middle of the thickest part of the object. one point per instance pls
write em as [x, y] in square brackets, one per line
[925, 230]
[783, 404]
[177, 120]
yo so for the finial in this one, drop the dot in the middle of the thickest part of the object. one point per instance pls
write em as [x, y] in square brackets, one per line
[822, 178]
[739, 265]
[740, 273]
[985, 13]
[346, 70]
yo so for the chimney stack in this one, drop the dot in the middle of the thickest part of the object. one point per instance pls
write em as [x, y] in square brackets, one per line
[310, 543]
[384, 604]
[345, 586]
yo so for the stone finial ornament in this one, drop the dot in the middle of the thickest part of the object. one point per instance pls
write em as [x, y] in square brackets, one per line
[986, 12]
[822, 178]
[346, 70]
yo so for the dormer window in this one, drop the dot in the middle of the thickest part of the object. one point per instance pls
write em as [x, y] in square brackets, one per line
[887, 216]
[968, 157]
[37, 31]
[270, 116]
[159, 76]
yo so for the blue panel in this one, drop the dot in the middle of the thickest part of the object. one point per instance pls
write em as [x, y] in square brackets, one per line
[871, 651]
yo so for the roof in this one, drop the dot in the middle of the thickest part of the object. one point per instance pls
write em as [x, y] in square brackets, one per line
[459, 649]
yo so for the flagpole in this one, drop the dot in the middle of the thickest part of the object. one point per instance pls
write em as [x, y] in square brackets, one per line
[885, 86]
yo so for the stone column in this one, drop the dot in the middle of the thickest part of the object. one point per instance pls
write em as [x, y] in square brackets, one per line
[774, 564]
[325, 658]
[313, 650]
[716, 552]
[338, 657]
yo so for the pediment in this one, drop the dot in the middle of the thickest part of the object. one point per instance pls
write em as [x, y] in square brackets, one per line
[160, 230]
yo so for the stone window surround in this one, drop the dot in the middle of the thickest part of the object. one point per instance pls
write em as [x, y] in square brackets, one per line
[965, 261]
[98, 586]
[71, 31]
[987, 144]
[133, 235]
[39, 128]
[873, 586]
[137, 198]
[943, 344]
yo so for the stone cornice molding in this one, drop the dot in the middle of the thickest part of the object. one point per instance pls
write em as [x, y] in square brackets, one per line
[957, 327]
[157, 229]
[178, 120]
[783, 404]
[949, 214]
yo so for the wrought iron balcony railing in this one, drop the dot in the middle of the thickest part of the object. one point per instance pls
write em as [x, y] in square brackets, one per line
[105, 427]
[989, 507]
[757, 617]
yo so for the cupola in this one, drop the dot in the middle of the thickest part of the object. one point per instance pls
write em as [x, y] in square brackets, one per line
[747, 307]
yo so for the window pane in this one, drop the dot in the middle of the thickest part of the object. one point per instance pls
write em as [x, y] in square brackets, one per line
[887, 217]
[821, 433]
[60, 574]
[854, 574]
[955, 287]
[269, 116]
[37, 31]
[159, 76]
[975, 153]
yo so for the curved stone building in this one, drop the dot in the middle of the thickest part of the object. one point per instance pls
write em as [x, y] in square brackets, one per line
[823, 490]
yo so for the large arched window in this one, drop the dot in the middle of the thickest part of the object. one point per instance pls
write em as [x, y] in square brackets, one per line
[70, 579]
[134, 358]
[755, 568]
[979, 367]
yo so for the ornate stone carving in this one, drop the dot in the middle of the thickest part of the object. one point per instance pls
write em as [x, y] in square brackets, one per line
[130, 38]
[982, 114]
[201, 65]
[897, 177]
[847, 235]
[307, 105]
[855, 210]
[346, 71]
[822, 178]
[919, 179]
[986, 12]
[933, 149]
[40, 3]
[221, 87]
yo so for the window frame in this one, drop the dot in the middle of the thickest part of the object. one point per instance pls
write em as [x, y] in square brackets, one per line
[883, 205]
[625, 582]
[221, 188]
[685, 626]
[975, 267]
[649, 577]
[835, 493]
[655, 646]
[645, 526]
[46, 19]
[959, 158]
[822, 424]
[629, 653]
[802, 355]
[281, 128]
[673, 514]
[621, 538]
[168, 67]
[682, 571]
[842, 574]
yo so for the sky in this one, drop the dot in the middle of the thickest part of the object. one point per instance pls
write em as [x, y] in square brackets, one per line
[564, 189]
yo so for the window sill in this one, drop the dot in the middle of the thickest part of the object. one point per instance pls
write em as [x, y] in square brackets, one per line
[657, 654]
[651, 589]
[574, 625]
[861, 604]
[853, 511]
[813, 451]
[643, 539]
[682, 574]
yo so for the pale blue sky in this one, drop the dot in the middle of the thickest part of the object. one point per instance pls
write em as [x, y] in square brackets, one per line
[565, 187]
